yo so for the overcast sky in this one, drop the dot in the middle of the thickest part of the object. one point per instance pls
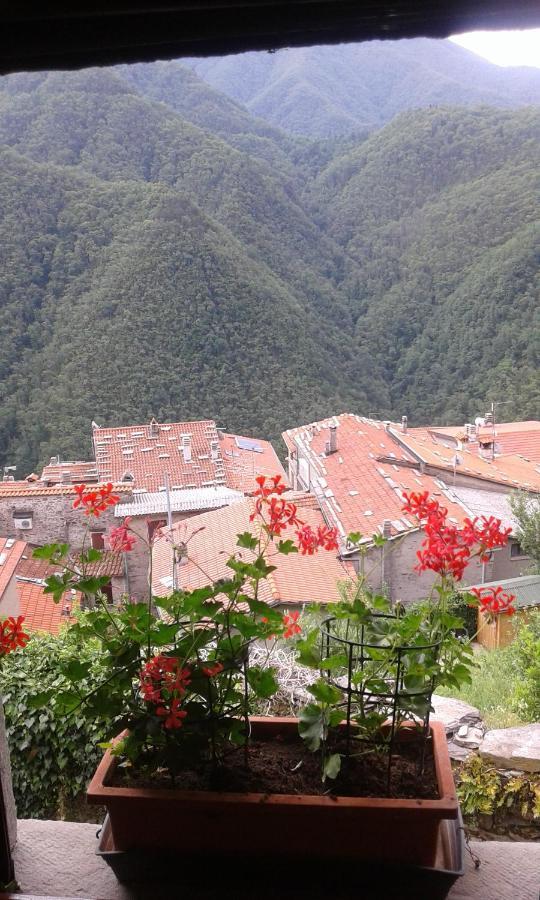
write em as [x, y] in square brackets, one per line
[505, 48]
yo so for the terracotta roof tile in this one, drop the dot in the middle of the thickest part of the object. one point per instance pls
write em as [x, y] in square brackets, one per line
[78, 472]
[37, 489]
[510, 471]
[297, 580]
[192, 453]
[511, 438]
[39, 609]
[111, 563]
[356, 491]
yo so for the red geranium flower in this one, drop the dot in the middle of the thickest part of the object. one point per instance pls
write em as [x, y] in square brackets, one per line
[12, 635]
[493, 601]
[291, 623]
[212, 671]
[94, 501]
[121, 539]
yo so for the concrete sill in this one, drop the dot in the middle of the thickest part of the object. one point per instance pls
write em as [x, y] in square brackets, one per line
[57, 860]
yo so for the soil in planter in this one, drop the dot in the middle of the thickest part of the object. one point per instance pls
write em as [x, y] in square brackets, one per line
[279, 766]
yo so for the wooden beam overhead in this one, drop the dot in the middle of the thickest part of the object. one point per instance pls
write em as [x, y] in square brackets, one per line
[67, 35]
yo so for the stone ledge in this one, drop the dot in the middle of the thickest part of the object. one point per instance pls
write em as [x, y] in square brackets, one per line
[58, 859]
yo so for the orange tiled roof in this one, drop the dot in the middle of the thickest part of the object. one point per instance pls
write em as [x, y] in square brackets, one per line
[40, 611]
[297, 579]
[79, 472]
[357, 492]
[37, 489]
[511, 471]
[193, 454]
[242, 466]
[511, 438]
[11, 552]
[111, 563]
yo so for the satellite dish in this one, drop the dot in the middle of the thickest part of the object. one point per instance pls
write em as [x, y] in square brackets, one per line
[94, 425]
[480, 421]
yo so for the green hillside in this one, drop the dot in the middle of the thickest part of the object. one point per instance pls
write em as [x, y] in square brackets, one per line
[327, 91]
[164, 253]
[440, 211]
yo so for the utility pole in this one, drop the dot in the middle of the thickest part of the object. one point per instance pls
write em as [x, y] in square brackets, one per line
[169, 524]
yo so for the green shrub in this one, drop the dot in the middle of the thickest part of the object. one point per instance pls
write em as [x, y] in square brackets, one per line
[506, 683]
[52, 755]
[526, 654]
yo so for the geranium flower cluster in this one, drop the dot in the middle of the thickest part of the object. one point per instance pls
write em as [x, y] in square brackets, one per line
[95, 501]
[278, 514]
[493, 601]
[164, 683]
[448, 549]
[292, 627]
[12, 635]
[310, 540]
[121, 539]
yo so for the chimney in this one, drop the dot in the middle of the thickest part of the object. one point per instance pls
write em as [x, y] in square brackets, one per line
[55, 461]
[153, 428]
[386, 528]
[332, 443]
[65, 477]
[404, 424]
[488, 418]
[214, 449]
[186, 447]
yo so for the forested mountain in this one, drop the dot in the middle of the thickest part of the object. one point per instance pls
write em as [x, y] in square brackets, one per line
[326, 91]
[165, 253]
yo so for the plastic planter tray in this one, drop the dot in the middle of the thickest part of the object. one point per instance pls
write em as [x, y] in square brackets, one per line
[304, 878]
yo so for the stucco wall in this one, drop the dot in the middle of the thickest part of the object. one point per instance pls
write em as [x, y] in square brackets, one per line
[402, 583]
[9, 604]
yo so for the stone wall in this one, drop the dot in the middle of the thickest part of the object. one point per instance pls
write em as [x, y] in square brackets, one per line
[55, 520]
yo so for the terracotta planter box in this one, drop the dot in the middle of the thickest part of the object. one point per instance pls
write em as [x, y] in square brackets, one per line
[377, 829]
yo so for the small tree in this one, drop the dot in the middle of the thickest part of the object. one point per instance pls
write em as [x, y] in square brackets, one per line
[526, 510]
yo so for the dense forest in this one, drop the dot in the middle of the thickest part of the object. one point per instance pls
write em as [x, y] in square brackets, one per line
[329, 91]
[164, 252]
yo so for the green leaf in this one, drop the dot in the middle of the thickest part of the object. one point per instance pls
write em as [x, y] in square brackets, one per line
[91, 585]
[332, 766]
[287, 546]
[76, 670]
[91, 555]
[37, 701]
[164, 634]
[262, 681]
[67, 701]
[354, 537]
[311, 726]
[337, 661]
[325, 692]
[57, 585]
[51, 551]
[247, 540]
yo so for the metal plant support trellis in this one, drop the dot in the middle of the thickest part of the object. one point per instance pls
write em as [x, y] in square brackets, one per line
[381, 679]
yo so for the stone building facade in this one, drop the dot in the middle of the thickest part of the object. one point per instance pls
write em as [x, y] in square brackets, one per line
[41, 515]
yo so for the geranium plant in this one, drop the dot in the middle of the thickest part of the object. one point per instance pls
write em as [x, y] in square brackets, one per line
[378, 664]
[176, 671]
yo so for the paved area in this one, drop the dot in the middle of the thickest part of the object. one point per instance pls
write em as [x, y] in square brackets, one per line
[58, 859]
